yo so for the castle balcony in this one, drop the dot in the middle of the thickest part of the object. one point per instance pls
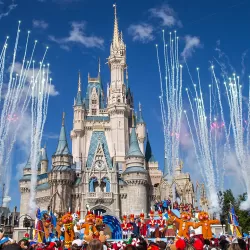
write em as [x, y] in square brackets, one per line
[100, 197]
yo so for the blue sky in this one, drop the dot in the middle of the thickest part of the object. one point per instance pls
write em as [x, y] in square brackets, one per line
[78, 32]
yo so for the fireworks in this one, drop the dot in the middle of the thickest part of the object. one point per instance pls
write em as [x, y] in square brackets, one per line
[171, 107]
[27, 91]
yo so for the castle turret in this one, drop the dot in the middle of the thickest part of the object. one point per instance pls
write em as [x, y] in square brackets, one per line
[136, 176]
[117, 103]
[62, 156]
[62, 176]
[44, 161]
[141, 129]
[78, 126]
[24, 184]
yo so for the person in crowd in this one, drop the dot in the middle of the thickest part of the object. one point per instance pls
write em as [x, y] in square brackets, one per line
[95, 244]
[24, 244]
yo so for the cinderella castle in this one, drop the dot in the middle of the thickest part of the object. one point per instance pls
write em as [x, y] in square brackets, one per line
[111, 166]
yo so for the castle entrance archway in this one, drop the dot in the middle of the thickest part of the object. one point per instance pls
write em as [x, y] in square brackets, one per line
[112, 223]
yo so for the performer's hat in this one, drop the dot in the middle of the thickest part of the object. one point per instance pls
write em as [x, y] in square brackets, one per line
[160, 213]
[132, 216]
[124, 217]
[142, 216]
[151, 213]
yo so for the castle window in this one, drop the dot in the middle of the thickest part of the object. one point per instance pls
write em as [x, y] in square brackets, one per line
[93, 111]
[94, 101]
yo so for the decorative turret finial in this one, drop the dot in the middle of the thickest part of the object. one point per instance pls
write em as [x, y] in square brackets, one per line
[79, 81]
[63, 118]
[99, 66]
[116, 30]
[139, 107]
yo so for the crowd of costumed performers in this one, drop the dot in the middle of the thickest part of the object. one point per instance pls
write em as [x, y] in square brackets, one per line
[68, 231]
[173, 223]
[166, 205]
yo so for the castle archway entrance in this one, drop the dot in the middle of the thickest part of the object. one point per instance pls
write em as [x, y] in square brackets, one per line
[112, 223]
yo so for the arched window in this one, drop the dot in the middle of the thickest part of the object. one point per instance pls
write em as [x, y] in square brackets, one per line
[105, 185]
[93, 184]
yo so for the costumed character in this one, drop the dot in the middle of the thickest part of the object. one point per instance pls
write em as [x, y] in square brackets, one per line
[124, 227]
[130, 224]
[143, 229]
[89, 226]
[171, 228]
[205, 223]
[59, 225]
[47, 225]
[151, 224]
[161, 224]
[39, 230]
[184, 224]
[99, 223]
[69, 234]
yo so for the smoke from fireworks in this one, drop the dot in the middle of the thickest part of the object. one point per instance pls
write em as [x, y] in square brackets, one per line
[26, 91]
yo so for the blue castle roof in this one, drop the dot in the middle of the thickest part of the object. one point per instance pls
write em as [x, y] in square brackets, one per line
[134, 149]
[62, 147]
[135, 169]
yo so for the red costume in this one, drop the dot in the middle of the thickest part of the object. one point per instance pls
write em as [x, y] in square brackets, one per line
[125, 226]
[152, 223]
[161, 222]
[143, 227]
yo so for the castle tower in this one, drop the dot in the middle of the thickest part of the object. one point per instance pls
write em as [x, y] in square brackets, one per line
[62, 176]
[77, 132]
[117, 102]
[141, 129]
[62, 156]
[44, 161]
[24, 184]
[136, 177]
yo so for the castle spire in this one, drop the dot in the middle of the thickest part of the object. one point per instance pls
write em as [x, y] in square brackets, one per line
[134, 149]
[78, 101]
[62, 147]
[116, 30]
[140, 117]
[79, 81]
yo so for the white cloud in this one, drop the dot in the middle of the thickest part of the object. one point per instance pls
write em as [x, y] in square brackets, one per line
[191, 43]
[77, 35]
[167, 15]
[40, 24]
[9, 9]
[141, 32]
[50, 136]
[29, 73]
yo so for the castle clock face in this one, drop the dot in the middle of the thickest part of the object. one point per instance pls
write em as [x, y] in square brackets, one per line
[99, 165]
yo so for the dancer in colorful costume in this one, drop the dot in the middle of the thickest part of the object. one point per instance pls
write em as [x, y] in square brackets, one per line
[151, 224]
[184, 224]
[205, 223]
[125, 225]
[161, 224]
[69, 234]
[143, 229]
[39, 230]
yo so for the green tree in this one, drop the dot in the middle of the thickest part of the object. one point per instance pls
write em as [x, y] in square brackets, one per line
[226, 199]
